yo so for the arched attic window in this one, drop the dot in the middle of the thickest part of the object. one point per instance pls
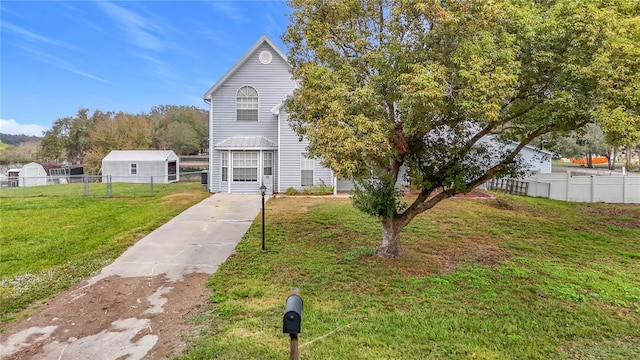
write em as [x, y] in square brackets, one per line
[247, 104]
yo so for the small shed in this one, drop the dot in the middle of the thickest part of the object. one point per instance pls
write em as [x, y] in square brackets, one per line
[141, 166]
[32, 174]
[12, 177]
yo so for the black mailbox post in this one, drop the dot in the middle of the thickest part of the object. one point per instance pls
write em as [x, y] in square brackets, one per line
[292, 321]
[263, 190]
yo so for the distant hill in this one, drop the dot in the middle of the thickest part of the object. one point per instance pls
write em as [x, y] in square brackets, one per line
[17, 139]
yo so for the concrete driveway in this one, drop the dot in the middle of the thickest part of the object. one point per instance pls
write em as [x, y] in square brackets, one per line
[132, 308]
[198, 240]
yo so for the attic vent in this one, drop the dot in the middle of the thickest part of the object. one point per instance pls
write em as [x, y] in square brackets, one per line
[265, 57]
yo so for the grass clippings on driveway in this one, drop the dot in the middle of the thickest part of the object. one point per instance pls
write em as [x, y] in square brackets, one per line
[511, 278]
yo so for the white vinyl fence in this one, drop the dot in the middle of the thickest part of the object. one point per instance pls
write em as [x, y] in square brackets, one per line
[591, 188]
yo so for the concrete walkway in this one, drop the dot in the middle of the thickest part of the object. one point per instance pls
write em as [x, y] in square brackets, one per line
[196, 241]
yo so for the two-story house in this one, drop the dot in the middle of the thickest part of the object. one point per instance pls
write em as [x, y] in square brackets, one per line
[250, 140]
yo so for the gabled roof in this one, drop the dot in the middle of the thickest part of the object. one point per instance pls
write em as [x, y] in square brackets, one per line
[535, 148]
[140, 155]
[264, 39]
[246, 143]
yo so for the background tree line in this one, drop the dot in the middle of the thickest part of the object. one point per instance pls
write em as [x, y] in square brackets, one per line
[86, 138]
[18, 148]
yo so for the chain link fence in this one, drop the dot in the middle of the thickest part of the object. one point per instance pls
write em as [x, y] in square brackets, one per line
[88, 185]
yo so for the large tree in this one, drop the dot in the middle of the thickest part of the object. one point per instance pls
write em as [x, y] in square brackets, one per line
[584, 142]
[68, 138]
[619, 113]
[183, 129]
[449, 90]
[116, 131]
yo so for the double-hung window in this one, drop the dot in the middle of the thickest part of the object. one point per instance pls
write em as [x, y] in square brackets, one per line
[245, 166]
[267, 163]
[133, 169]
[225, 166]
[306, 170]
[247, 104]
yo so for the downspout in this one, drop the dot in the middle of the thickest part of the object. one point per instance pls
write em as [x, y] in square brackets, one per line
[210, 174]
[260, 168]
[279, 173]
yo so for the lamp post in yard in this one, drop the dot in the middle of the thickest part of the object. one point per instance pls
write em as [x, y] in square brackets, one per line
[263, 190]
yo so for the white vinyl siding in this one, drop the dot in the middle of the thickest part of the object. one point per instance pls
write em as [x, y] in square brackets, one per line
[140, 166]
[306, 170]
[247, 104]
[272, 83]
[245, 166]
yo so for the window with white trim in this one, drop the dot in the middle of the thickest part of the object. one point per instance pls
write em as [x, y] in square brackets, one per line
[245, 166]
[225, 165]
[133, 169]
[306, 170]
[247, 104]
[267, 163]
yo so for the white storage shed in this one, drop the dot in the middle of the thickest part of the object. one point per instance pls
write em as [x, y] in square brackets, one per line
[32, 174]
[140, 166]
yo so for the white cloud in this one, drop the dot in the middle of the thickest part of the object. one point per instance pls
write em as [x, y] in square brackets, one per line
[230, 11]
[15, 128]
[26, 34]
[61, 63]
[143, 32]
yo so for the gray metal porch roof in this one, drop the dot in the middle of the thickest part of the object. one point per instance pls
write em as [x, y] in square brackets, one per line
[247, 143]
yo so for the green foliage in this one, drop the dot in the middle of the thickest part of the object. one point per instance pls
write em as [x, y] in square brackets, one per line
[321, 189]
[75, 236]
[24, 152]
[183, 129]
[619, 111]
[68, 138]
[119, 131]
[513, 278]
[392, 84]
[588, 140]
[378, 196]
[184, 139]
[15, 140]
[291, 191]
[87, 139]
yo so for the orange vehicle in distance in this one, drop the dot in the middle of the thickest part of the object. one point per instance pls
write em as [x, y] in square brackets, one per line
[595, 160]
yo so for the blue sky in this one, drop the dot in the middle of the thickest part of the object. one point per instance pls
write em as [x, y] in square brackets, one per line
[59, 56]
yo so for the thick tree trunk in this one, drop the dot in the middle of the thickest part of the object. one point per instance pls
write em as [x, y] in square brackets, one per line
[390, 247]
[613, 155]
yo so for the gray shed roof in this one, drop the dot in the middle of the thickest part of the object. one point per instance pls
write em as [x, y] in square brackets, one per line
[140, 155]
[247, 143]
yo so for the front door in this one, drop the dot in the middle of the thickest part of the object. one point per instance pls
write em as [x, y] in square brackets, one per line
[172, 171]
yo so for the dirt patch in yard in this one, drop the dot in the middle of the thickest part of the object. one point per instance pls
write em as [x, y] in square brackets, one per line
[154, 313]
[625, 216]
[421, 261]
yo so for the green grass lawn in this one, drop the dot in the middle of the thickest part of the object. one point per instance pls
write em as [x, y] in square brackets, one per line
[512, 278]
[49, 242]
